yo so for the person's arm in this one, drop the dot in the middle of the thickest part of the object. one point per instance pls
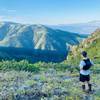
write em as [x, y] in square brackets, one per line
[81, 65]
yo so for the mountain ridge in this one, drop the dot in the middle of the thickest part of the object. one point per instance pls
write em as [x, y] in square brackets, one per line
[91, 45]
[50, 44]
[82, 28]
[36, 36]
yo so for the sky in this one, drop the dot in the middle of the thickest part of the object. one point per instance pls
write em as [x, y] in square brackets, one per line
[49, 11]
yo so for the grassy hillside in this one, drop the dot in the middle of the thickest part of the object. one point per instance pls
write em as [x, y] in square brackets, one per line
[43, 81]
[51, 81]
[91, 45]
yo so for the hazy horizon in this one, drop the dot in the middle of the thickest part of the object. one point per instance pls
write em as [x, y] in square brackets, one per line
[60, 24]
[49, 12]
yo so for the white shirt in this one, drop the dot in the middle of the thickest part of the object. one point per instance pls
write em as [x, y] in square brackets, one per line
[84, 72]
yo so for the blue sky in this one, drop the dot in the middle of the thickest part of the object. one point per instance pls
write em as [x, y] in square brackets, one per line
[49, 11]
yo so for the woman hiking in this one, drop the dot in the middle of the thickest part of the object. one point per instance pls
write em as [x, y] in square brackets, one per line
[85, 65]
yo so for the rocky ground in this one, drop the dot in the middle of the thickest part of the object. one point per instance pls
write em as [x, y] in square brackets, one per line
[48, 85]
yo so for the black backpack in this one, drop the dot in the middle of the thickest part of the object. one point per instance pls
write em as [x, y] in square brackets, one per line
[88, 64]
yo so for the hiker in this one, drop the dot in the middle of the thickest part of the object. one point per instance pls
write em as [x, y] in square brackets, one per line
[85, 65]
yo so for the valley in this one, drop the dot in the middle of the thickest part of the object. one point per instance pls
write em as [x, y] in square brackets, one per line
[41, 63]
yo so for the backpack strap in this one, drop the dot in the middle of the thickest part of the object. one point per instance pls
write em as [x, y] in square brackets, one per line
[86, 60]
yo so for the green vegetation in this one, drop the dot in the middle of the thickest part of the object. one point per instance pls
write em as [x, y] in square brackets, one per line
[91, 45]
[51, 81]
[24, 65]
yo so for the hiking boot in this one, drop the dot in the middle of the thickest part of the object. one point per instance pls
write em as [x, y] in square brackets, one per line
[83, 88]
[90, 87]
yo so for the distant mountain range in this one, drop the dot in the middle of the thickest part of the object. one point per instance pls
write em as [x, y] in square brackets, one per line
[36, 37]
[47, 44]
[81, 28]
